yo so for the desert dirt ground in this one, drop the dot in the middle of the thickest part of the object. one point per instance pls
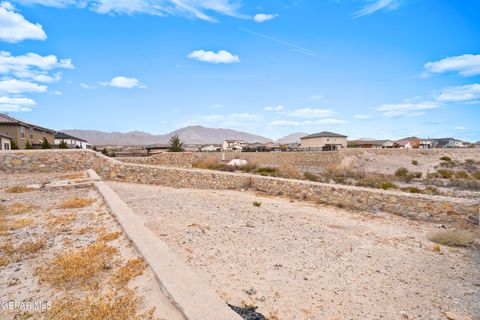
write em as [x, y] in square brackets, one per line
[55, 249]
[297, 260]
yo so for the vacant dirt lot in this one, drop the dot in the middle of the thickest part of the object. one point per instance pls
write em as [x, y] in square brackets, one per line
[61, 248]
[301, 261]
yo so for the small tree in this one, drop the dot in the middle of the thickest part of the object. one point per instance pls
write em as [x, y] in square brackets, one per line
[13, 145]
[95, 148]
[28, 145]
[105, 152]
[63, 145]
[46, 144]
[175, 144]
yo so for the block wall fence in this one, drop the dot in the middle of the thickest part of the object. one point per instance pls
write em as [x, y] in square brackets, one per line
[415, 206]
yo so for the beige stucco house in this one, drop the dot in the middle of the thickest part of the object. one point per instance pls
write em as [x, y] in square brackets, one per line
[21, 132]
[323, 141]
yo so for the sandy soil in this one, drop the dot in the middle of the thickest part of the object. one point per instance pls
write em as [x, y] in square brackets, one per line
[387, 164]
[302, 261]
[19, 280]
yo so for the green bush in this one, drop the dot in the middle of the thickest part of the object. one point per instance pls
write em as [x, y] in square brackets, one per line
[267, 171]
[401, 172]
[13, 145]
[62, 145]
[311, 176]
[415, 162]
[446, 174]
[257, 204]
[411, 189]
[445, 158]
[388, 185]
[46, 144]
[28, 145]
[175, 144]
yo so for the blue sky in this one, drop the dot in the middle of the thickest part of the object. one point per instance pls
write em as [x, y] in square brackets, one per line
[379, 68]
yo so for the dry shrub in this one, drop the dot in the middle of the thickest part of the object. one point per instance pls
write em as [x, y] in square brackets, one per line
[84, 230]
[289, 171]
[19, 208]
[61, 220]
[21, 223]
[453, 238]
[133, 268]
[76, 203]
[103, 235]
[113, 305]
[77, 265]
[7, 248]
[19, 189]
[31, 246]
[3, 261]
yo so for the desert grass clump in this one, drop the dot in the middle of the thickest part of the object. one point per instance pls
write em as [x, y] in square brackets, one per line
[311, 177]
[411, 189]
[132, 269]
[76, 203]
[289, 171]
[103, 235]
[445, 173]
[21, 223]
[453, 238]
[61, 220]
[401, 172]
[415, 162]
[267, 171]
[80, 265]
[3, 261]
[19, 208]
[445, 158]
[31, 246]
[113, 305]
[19, 189]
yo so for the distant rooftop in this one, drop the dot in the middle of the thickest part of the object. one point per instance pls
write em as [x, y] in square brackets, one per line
[64, 136]
[6, 119]
[324, 134]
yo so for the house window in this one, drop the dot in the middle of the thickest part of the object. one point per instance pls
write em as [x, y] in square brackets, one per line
[6, 146]
[31, 133]
[22, 132]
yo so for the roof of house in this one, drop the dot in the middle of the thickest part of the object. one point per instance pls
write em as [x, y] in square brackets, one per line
[64, 136]
[4, 135]
[324, 134]
[5, 119]
[407, 140]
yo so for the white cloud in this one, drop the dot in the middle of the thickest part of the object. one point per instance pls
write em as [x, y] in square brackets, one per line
[407, 109]
[465, 65]
[362, 117]
[196, 9]
[16, 104]
[216, 106]
[461, 94]
[123, 82]
[18, 86]
[461, 128]
[33, 66]
[377, 5]
[15, 28]
[221, 56]
[86, 86]
[311, 113]
[276, 109]
[262, 17]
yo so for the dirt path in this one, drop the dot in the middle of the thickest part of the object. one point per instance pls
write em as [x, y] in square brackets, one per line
[300, 261]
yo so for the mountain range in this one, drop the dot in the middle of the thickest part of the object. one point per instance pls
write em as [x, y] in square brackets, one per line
[189, 135]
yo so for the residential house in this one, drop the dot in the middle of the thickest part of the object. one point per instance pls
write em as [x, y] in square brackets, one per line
[444, 143]
[72, 142]
[233, 145]
[21, 132]
[323, 141]
[5, 141]
[426, 144]
[371, 144]
[407, 143]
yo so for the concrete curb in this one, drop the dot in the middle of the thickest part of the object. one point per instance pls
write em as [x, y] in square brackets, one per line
[190, 294]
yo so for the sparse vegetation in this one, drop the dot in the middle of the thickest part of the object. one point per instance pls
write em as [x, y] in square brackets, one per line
[411, 189]
[453, 238]
[257, 204]
[63, 145]
[415, 162]
[76, 203]
[311, 177]
[401, 172]
[61, 220]
[133, 268]
[77, 266]
[19, 189]
[103, 235]
[19, 208]
[28, 145]
[445, 158]
[445, 173]
[31, 246]
[21, 223]
[46, 144]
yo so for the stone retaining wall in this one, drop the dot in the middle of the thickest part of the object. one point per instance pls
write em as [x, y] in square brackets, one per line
[414, 206]
[164, 159]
